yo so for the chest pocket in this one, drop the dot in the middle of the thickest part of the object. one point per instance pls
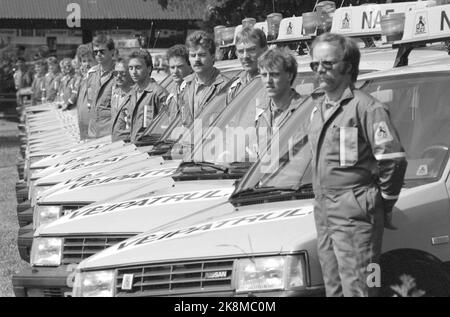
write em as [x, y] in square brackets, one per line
[348, 146]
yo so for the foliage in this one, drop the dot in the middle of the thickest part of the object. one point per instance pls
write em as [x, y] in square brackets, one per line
[231, 12]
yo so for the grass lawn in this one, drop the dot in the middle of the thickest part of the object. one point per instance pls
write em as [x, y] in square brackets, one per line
[10, 262]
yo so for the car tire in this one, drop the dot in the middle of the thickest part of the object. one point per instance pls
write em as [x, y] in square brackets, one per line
[404, 276]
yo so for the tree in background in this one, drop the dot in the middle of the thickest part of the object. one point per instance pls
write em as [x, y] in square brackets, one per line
[231, 12]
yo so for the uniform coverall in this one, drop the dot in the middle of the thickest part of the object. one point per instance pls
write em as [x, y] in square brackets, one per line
[358, 170]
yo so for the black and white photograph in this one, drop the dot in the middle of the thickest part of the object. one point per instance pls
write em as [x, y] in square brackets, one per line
[236, 150]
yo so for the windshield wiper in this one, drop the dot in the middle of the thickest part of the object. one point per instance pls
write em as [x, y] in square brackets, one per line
[271, 189]
[204, 164]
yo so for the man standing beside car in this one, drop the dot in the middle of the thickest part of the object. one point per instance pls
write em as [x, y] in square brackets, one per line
[358, 168]
[99, 85]
[147, 96]
[278, 70]
[179, 68]
[251, 43]
[205, 83]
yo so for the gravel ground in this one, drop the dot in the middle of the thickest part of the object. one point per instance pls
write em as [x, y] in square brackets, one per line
[10, 262]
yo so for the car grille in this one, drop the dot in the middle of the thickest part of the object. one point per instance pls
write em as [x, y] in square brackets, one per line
[53, 292]
[77, 249]
[175, 278]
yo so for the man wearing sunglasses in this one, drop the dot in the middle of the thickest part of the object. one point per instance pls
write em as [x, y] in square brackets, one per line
[358, 168]
[119, 101]
[99, 87]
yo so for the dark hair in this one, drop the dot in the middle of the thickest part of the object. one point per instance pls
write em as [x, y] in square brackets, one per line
[203, 39]
[143, 55]
[102, 39]
[52, 60]
[349, 48]
[121, 60]
[254, 35]
[279, 58]
[41, 62]
[178, 50]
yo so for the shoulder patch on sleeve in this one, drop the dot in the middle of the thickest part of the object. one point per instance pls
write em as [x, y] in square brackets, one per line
[382, 133]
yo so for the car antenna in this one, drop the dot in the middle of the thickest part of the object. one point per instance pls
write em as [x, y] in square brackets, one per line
[156, 39]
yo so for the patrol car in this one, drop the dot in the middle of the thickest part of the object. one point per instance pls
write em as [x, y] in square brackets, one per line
[240, 257]
[133, 202]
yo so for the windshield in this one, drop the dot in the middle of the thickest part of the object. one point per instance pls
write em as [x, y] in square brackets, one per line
[228, 136]
[420, 110]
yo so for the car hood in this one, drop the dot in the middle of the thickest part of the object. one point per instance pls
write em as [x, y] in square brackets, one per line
[145, 207]
[88, 156]
[225, 231]
[110, 182]
[80, 169]
[73, 151]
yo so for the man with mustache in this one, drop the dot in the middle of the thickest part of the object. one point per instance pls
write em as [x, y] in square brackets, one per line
[278, 70]
[205, 83]
[358, 167]
[99, 85]
[120, 98]
[179, 68]
[251, 43]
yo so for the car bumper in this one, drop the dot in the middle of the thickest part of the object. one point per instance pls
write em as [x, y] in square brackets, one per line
[25, 217]
[43, 282]
[24, 243]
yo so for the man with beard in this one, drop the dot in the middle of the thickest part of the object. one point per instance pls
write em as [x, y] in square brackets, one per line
[179, 68]
[205, 83]
[278, 70]
[358, 168]
[99, 87]
[120, 98]
[251, 43]
[147, 97]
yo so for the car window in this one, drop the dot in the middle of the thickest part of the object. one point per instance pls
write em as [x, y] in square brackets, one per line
[419, 107]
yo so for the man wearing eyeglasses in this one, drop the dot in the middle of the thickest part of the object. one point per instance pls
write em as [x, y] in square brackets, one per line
[251, 43]
[358, 168]
[120, 99]
[99, 87]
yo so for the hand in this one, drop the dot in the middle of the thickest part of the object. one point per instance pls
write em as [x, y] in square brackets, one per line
[388, 221]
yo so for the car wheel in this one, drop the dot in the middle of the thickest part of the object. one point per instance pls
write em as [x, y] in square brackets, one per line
[413, 278]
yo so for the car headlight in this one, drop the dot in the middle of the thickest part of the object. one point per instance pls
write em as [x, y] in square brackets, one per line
[94, 284]
[43, 215]
[46, 251]
[270, 273]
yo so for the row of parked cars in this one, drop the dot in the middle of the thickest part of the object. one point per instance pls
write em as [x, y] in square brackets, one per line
[116, 219]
